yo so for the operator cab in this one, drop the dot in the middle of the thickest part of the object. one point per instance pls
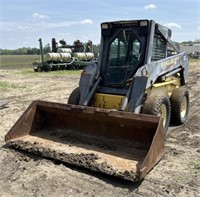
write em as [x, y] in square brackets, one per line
[123, 57]
[123, 50]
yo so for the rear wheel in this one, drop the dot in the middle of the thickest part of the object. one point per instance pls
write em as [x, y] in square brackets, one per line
[180, 105]
[158, 105]
[74, 97]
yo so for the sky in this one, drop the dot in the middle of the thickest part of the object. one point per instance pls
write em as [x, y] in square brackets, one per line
[23, 22]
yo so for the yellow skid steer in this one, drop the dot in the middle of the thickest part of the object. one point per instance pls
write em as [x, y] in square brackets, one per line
[115, 122]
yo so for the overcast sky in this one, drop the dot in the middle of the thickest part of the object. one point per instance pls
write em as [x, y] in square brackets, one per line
[23, 22]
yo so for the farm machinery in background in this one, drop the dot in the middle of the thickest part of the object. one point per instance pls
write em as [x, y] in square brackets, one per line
[64, 57]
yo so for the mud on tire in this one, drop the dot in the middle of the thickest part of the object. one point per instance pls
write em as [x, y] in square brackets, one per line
[74, 97]
[180, 105]
[159, 105]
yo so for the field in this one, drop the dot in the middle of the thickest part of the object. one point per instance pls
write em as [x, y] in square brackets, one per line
[17, 61]
[22, 174]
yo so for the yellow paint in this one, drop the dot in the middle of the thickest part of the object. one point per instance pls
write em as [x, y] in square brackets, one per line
[167, 82]
[108, 101]
[164, 88]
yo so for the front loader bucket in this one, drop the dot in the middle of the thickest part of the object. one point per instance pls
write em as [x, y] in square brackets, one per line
[120, 144]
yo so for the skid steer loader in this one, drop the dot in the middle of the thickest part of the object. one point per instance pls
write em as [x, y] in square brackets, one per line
[115, 122]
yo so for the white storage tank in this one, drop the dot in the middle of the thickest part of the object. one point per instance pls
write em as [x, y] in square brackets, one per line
[89, 56]
[64, 50]
[80, 56]
[65, 57]
[53, 56]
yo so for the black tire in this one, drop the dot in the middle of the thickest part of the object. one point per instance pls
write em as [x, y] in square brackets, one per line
[46, 69]
[74, 97]
[73, 67]
[180, 106]
[159, 105]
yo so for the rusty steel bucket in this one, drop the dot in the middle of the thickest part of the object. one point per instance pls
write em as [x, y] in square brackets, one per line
[120, 144]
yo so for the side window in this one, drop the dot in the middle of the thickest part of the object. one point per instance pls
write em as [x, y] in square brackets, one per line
[135, 52]
[171, 51]
[159, 48]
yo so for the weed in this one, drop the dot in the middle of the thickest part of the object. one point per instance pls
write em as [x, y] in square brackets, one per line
[196, 165]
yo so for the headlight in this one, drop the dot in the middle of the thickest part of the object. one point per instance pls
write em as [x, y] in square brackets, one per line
[143, 23]
[104, 26]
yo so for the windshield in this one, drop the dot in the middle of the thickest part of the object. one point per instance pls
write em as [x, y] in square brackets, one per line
[123, 57]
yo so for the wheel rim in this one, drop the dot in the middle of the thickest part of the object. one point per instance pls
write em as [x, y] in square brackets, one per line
[164, 114]
[183, 107]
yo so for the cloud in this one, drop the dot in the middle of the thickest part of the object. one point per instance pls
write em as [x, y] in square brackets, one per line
[42, 25]
[65, 24]
[198, 27]
[40, 16]
[86, 21]
[172, 25]
[150, 6]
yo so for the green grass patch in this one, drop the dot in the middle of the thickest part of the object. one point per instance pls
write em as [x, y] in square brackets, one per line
[4, 86]
[197, 164]
[17, 61]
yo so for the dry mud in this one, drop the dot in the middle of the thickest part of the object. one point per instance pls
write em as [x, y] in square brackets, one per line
[24, 174]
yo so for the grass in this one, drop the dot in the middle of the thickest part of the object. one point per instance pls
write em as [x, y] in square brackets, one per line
[17, 61]
[197, 164]
[4, 86]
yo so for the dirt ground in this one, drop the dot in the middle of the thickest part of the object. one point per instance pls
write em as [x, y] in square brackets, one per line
[23, 174]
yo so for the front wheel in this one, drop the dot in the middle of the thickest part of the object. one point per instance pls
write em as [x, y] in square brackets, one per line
[74, 97]
[158, 105]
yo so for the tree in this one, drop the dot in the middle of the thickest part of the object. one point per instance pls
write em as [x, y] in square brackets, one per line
[47, 48]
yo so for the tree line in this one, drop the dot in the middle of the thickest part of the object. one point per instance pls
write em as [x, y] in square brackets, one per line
[25, 51]
[20, 51]
[34, 51]
[196, 41]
